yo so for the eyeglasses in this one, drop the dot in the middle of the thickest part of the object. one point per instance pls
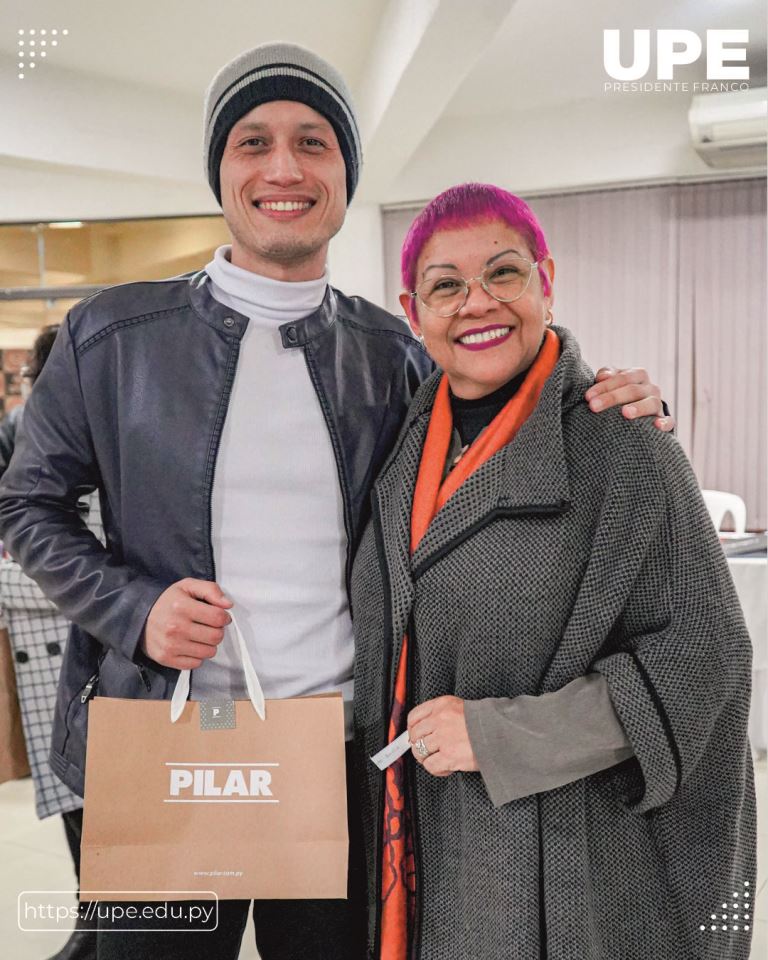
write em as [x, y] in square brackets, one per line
[505, 280]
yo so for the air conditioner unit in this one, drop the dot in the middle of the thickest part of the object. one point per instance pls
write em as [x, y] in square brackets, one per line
[728, 130]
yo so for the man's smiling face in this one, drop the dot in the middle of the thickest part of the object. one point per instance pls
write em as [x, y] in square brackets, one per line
[283, 190]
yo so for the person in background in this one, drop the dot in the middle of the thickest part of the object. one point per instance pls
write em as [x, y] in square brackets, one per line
[38, 639]
[542, 603]
[29, 373]
[184, 402]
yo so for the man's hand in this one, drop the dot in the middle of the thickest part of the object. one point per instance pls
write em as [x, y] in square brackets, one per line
[186, 624]
[633, 390]
[441, 725]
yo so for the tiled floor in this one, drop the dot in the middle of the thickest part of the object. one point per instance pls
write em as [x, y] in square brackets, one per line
[34, 856]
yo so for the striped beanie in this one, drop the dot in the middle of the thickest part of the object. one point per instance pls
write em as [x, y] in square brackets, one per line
[279, 71]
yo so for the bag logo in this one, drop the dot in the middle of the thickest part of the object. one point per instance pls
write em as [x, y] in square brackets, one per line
[220, 783]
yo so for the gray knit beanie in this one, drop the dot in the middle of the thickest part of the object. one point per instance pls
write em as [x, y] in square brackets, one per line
[279, 71]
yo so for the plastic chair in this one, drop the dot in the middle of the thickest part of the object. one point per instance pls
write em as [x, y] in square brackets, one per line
[719, 504]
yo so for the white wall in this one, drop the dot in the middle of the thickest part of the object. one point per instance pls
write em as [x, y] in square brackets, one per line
[615, 139]
[75, 148]
[43, 191]
[356, 258]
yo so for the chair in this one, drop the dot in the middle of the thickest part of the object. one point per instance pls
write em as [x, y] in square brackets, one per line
[719, 504]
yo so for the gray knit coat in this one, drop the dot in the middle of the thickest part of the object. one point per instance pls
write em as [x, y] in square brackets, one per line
[584, 545]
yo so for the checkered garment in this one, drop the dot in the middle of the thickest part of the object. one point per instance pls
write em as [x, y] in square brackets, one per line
[38, 635]
[584, 545]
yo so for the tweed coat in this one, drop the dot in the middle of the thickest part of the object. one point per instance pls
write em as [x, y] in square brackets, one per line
[38, 635]
[584, 545]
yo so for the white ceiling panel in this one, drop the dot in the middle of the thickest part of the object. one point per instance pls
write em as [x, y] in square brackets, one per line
[549, 52]
[179, 44]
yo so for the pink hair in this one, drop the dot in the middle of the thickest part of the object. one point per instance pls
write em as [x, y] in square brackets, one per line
[466, 204]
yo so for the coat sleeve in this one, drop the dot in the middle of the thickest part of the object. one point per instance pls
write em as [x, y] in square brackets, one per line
[54, 465]
[679, 678]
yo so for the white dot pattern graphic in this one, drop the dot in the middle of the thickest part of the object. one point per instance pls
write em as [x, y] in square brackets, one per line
[715, 927]
[32, 53]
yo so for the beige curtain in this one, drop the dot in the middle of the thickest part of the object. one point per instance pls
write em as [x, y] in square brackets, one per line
[722, 321]
[671, 278]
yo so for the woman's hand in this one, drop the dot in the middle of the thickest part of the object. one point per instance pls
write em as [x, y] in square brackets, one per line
[440, 724]
[633, 390]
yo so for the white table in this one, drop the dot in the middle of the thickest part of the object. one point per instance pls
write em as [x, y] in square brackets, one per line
[750, 574]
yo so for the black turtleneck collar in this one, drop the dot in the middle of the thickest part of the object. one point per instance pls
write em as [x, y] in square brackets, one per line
[471, 417]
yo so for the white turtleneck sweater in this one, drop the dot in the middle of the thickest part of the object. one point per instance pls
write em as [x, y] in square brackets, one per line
[279, 541]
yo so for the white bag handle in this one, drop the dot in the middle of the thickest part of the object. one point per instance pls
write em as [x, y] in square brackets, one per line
[255, 693]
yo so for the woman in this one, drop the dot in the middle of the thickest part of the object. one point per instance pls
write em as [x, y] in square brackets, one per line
[543, 591]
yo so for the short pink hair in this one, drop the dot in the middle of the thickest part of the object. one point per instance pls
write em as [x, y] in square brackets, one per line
[466, 204]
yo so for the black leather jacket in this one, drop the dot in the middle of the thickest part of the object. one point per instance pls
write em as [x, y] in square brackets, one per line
[132, 402]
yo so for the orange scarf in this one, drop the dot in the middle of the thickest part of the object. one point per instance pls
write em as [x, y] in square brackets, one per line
[398, 873]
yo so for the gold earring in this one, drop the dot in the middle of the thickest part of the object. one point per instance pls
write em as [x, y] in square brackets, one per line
[549, 318]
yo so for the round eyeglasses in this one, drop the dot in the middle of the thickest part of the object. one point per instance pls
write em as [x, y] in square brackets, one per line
[505, 280]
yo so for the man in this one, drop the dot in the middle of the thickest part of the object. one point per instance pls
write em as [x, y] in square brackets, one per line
[234, 422]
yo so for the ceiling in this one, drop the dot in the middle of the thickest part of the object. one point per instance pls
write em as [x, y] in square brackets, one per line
[549, 52]
[179, 44]
[108, 124]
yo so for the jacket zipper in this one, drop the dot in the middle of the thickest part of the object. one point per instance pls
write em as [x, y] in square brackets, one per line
[89, 690]
[386, 708]
[218, 429]
[85, 694]
[347, 510]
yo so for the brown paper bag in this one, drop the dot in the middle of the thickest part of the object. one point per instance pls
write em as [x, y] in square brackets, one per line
[254, 812]
[14, 763]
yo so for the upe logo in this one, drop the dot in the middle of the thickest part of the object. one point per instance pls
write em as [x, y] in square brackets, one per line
[676, 48]
[220, 783]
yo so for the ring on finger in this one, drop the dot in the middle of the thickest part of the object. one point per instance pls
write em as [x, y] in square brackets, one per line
[421, 748]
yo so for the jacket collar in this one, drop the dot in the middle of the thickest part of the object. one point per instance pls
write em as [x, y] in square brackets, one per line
[210, 311]
[295, 334]
[528, 476]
